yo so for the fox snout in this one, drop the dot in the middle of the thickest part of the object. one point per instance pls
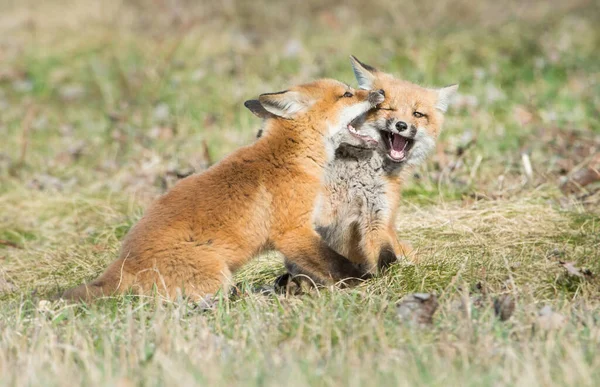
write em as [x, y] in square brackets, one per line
[376, 97]
[403, 128]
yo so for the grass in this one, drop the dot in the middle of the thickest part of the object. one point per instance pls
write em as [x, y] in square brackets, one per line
[101, 107]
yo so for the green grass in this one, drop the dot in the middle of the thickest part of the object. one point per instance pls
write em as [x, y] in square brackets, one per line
[100, 108]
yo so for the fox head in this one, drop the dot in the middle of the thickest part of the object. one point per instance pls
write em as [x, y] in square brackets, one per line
[325, 103]
[408, 122]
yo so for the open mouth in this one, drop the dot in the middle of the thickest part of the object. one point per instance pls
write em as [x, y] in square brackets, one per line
[365, 138]
[399, 146]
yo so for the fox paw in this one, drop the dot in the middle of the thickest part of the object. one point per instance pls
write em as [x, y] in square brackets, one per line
[291, 285]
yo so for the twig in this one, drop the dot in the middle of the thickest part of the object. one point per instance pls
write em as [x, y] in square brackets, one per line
[4, 242]
[26, 128]
[527, 166]
[584, 174]
[206, 153]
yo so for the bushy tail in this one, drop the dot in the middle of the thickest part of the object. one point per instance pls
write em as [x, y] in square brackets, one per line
[106, 285]
[86, 292]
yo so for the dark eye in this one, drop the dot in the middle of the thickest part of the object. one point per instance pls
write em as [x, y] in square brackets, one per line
[348, 95]
[418, 114]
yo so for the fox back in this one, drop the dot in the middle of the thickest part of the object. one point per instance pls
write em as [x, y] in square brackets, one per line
[193, 238]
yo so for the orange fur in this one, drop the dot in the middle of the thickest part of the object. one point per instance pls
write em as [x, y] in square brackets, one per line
[403, 98]
[365, 222]
[192, 239]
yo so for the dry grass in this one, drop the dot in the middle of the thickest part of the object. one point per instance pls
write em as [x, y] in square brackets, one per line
[103, 105]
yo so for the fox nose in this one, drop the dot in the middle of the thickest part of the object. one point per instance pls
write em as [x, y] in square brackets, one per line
[401, 126]
[376, 97]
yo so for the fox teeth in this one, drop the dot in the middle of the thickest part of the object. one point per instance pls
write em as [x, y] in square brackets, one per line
[391, 139]
[405, 145]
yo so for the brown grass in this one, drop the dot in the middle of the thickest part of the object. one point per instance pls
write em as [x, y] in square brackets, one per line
[124, 97]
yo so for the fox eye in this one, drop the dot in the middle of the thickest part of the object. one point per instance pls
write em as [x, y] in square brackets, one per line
[418, 114]
[348, 95]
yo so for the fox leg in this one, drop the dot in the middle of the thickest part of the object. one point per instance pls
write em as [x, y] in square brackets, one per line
[306, 253]
[378, 248]
[382, 248]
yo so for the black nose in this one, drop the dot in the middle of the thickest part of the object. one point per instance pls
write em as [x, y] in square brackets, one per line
[401, 125]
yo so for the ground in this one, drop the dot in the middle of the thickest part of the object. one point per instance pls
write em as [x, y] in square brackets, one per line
[104, 105]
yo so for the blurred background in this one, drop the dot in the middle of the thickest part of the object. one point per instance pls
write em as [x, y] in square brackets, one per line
[128, 95]
[105, 104]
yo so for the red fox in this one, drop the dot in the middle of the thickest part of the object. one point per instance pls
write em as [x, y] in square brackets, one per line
[357, 207]
[262, 196]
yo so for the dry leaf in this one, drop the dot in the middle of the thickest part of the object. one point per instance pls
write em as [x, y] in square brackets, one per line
[583, 177]
[574, 270]
[72, 154]
[504, 306]
[417, 309]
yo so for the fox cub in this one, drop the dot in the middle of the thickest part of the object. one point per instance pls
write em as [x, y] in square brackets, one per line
[262, 196]
[356, 209]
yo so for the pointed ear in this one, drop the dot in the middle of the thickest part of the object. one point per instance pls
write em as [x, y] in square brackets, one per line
[257, 109]
[365, 74]
[445, 96]
[285, 104]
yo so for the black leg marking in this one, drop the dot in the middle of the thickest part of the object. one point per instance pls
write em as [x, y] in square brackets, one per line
[386, 257]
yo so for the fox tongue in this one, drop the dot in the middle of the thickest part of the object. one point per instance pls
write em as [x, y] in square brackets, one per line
[398, 144]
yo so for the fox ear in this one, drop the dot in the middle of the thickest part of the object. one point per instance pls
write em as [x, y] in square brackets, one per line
[257, 109]
[445, 95]
[284, 104]
[365, 74]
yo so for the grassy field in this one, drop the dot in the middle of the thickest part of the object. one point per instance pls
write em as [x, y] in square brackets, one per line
[104, 105]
